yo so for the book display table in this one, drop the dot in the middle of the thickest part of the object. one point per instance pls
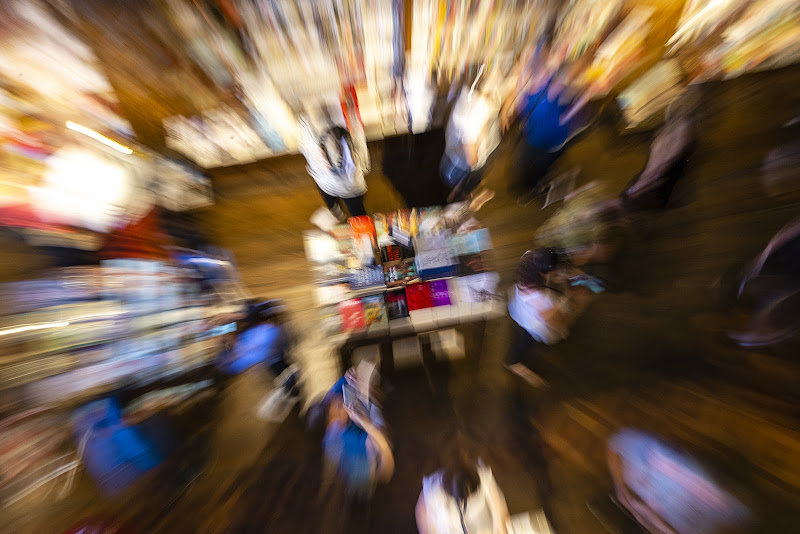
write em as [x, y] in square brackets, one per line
[391, 277]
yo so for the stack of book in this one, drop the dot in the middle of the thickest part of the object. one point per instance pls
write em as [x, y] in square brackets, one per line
[402, 272]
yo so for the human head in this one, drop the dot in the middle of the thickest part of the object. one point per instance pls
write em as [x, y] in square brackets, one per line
[533, 265]
[459, 474]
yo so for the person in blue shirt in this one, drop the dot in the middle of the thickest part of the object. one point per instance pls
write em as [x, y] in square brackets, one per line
[546, 118]
[356, 451]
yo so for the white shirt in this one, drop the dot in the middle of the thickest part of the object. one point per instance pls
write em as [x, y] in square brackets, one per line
[478, 513]
[528, 310]
[474, 120]
[347, 184]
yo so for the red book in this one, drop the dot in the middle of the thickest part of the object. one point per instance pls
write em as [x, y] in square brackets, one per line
[418, 297]
[352, 315]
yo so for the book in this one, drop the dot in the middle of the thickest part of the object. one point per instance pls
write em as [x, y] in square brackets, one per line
[367, 277]
[320, 247]
[418, 297]
[400, 273]
[391, 253]
[473, 242]
[396, 306]
[330, 273]
[375, 313]
[404, 227]
[352, 314]
[431, 221]
[331, 294]
[363, 231]
[382, 224]
[343, 235]
[472, 264]
[440, 296]
[434, 257]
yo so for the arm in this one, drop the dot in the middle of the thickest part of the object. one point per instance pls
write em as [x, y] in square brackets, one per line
[499, 508]
[421, 513]
[378, 444]
[360, 146]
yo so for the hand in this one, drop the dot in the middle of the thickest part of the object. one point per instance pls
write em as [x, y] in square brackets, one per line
[505, 121]
[357, 417]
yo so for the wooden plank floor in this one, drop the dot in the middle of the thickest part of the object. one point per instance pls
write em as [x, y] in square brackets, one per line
[640, 356]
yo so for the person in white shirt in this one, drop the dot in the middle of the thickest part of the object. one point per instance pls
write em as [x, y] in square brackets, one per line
[472, 134]
[461, 498]
[337, 159]
[544, 302]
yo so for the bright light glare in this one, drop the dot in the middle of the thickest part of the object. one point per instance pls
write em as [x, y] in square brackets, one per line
[28, 327]
[99, 137]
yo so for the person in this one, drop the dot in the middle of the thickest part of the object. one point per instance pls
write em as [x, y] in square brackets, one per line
[671, 148]
[337, 159]
[464, 498]
[546, 118]
[261, 339]
[669, 492]
[589, 228]
[356, 451]
[472, 135]
[546, 299]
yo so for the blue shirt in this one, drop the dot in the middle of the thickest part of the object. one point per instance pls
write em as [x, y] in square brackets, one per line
[345, 446]
[680, 490]
[255, 345]
[542, 127]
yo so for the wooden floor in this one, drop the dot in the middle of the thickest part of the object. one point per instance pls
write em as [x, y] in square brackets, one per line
[645, 355]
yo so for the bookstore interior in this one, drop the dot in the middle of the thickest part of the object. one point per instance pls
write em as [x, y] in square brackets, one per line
[83, 176]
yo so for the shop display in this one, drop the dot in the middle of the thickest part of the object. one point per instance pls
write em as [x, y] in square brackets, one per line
[726, 38]
[408, 270]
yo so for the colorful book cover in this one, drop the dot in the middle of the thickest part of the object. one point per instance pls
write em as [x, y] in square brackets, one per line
[404, 227]
[363, 228]
[473, 242]
[343, 235]
[375, 313]
[418, 297]
[440, 296]
[391, 253]
[434, 258]
[366, 277]
[431, 221]
[383, 229]
[352, 313]
[396, 306]
[400, 273]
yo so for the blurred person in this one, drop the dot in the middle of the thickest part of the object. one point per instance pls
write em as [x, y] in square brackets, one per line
[669, 153]
[337, 159]
[546, 119]
[547, 298]
[357, 454]
[588, 228]
[472, 133]
[669, 492]
[261, 338]
[462, 497]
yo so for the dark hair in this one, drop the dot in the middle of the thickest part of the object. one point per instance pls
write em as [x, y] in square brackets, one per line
[260, 312]
[533, 265]
[339, 134]
[460, 477]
